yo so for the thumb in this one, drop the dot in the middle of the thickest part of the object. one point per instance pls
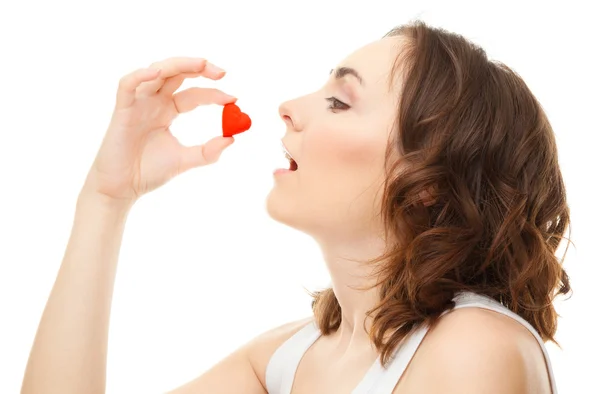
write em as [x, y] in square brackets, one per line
[208, 153]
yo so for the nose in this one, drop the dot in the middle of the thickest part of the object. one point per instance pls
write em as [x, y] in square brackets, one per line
[286, 113]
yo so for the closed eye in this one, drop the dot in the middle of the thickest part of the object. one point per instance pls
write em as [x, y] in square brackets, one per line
[337, 104]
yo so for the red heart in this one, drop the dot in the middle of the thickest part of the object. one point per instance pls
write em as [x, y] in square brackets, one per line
[234, 120]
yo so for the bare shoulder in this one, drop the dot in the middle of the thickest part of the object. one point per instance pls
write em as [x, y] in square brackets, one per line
[474, 350]
[261, 348]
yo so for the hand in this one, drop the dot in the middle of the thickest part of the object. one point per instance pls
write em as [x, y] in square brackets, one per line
[138, 153]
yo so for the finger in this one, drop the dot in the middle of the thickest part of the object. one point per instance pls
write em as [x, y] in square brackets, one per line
[128, 85]
[201, 155]
[179, 65]
[191, 98]
[171, 67]
[171, 85]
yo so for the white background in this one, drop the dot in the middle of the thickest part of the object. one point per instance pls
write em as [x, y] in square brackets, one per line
[203, 268]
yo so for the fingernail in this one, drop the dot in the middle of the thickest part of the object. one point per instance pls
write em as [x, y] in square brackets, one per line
[215, 68]
[230, 99]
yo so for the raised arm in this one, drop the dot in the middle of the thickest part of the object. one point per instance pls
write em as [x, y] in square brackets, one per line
[69, 350]
[138, 154]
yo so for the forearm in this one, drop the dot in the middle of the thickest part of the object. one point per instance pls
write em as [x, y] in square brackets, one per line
[69, 350]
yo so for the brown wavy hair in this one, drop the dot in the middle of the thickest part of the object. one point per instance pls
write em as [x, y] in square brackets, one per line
[472, 137]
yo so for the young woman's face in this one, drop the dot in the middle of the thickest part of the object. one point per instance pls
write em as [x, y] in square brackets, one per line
[338, 137]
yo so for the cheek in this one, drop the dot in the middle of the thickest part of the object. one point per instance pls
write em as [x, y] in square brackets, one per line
[343, 158]
[342, 173]
[351, 153]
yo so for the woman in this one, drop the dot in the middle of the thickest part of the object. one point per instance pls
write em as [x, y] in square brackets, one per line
[429, 177]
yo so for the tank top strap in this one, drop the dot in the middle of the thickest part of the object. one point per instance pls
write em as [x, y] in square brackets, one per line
[380, 380]
[280, 371]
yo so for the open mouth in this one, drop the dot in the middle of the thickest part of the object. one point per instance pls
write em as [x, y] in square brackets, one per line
[293, 164]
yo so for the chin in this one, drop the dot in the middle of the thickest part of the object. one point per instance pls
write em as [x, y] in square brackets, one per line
[276, 207]
[282, 209]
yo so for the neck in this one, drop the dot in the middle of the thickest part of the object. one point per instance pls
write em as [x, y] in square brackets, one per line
[349, 279]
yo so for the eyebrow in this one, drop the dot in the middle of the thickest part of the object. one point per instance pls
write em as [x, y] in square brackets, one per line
[343, 71]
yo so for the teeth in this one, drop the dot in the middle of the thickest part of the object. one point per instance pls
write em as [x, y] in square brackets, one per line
[287, 154]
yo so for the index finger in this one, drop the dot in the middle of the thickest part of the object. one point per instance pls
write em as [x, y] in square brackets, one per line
[181, 65]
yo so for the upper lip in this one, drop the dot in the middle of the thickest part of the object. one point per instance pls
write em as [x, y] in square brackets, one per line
[285, 148]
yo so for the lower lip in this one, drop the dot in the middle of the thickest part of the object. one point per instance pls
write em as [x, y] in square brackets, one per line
[281, 171]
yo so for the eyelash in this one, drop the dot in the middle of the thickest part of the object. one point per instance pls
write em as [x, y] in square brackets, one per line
[337, 104]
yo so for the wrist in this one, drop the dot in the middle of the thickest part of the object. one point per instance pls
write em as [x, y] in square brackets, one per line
[101, 202]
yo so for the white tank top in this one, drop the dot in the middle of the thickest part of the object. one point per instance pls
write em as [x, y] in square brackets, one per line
[282, 366]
